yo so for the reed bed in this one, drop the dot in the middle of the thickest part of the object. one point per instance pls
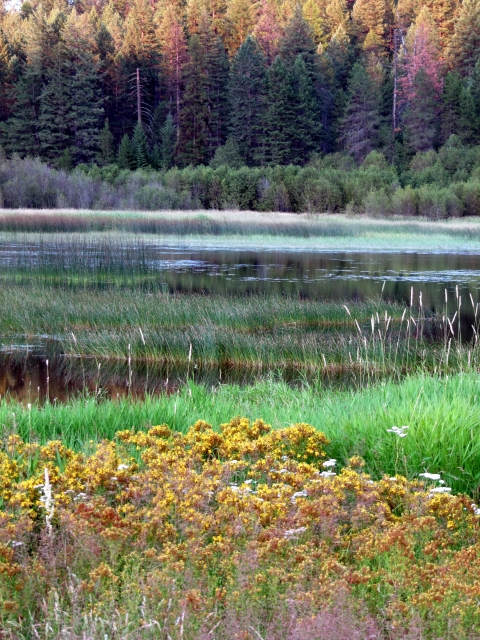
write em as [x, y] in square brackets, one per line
[227, 224]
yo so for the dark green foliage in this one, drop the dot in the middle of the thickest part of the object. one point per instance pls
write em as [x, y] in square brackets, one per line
[247, 92]
[192, 144]
[280, 118]
[126, 158]
[359, 131]
[227, 155]
[139, 147]
[106, 144]
[168, 135]
[458, 110]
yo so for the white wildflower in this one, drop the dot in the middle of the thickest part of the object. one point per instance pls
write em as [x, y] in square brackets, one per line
[430, 476]
[329, 463]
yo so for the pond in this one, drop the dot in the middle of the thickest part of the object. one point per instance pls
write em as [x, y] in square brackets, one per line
[333, 275]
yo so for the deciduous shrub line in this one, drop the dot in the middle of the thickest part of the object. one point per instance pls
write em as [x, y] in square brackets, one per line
[434, 191]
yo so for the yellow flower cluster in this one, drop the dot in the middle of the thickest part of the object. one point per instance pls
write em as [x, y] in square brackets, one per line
[188, 531]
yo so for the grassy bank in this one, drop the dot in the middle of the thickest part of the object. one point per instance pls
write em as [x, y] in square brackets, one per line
[443, 415]
[245, 229]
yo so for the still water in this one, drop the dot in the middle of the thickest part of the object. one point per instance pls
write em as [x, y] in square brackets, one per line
[333, 275]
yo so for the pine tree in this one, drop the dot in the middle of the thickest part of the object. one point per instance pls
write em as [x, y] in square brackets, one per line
[192, 145]
[374, 16]
[83, 87]
[140, 52]
[106, 155]
[20, 133]
[420, 118]
[174, 59]
[313, 16]
[139, 147]
[359, 128]
[267, 31]
[422, 52]
[464, 48]
[337, 15]
[306, 132]
[458, 110]
[443, 13]
[168, 140]
[339, 51]
[126, 158]
[299, 40]
[247, 92]
[241, 17]
[280, 118]
[217, 70]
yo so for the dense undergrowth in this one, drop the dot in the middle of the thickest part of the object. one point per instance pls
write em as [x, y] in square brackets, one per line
[239, 533]
[436, 185]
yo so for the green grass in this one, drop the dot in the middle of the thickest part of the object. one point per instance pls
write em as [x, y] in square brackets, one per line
[201, 333]
[443, 415]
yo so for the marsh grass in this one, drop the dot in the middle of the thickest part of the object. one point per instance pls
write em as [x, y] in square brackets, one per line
[443, 415]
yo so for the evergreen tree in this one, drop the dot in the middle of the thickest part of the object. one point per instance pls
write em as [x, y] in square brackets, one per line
[174, 59]
[192, 145]
[464, 46]
[313, 16]
[458, 110]
[139, 146]
[126, 159]
[267, 31]
[374, 16]
[247, 93]
[359, 128]
[339, 52]
[227, 155]
[106, 155]
[443, 13]
[299, 41]
[306, 132]
[241, 17]
[420, 118]
[216, 69]
[140, 53]
[280, 118]
[168, 140]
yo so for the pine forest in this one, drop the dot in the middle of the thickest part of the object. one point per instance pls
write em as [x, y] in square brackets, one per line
[144, 83]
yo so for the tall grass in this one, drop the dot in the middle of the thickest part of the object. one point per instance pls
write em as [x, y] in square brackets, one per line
[244, 334]
[443, 415]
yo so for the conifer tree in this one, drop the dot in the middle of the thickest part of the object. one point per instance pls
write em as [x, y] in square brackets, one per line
[299, 40]
[464, 48]
[359, 128]
[168, 136]
[217, 70]
[420, 118]
[280, 118]
[313, 15]
[192, 145]
[458, 110]
[336, 15]
[241, 17]
[139, 146]
[106, 143]
[126, 158]
[174, 59]
[306, 132]
[372, 16]
[267, 31]
[339, 52]
[247, 92]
